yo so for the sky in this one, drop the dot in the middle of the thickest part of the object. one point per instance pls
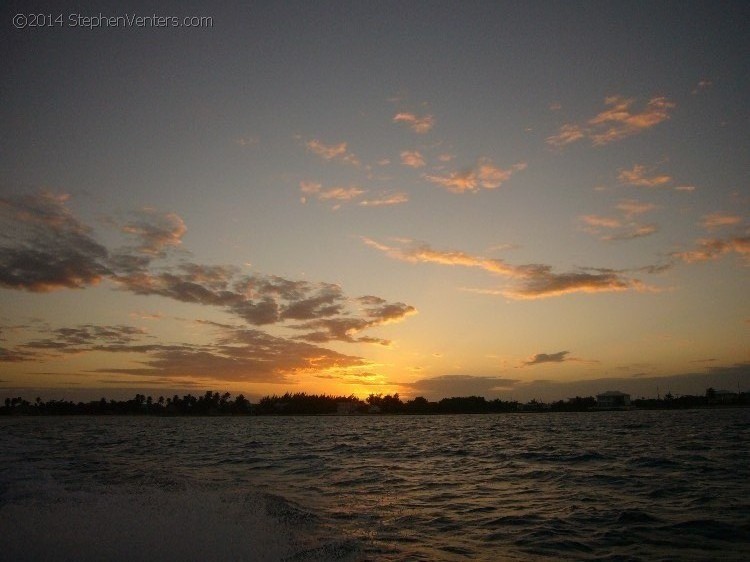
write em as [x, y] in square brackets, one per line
[519, 200]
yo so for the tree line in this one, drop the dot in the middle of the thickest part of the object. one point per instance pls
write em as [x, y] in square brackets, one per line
[301, 403]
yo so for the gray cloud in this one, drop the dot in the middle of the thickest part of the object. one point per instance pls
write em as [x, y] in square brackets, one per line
[156, 231]
[15, 355]
[55, 250]
[238, 355]
[83, 338]
[376, 311]
[447, 386]
[540, 358]
[720, 377]
[45, 247]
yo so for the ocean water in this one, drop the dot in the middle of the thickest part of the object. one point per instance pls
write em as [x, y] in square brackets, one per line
[666, 485]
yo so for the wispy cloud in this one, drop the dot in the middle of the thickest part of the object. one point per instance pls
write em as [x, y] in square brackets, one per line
[146, 315]
[374, 312]
[16, 355]
[632, 207]
[634, 230]
[339, 152]
[702, 85]
[715, 221]
[412, 158]
[337, 195]
[623, 227]
[419, 124]
[342, 195]
[386, 200]
[639, 176]
[707, 249]
[247, 141]
[484, 175]
[597, 221]
[546, 283]
[238, 354]
[531, 281]
[618, 121]
[568, 133]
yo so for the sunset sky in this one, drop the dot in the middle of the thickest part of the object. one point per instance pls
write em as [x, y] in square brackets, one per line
[516, 200]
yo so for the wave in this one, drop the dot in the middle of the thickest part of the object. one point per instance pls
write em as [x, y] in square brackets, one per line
[124, 524]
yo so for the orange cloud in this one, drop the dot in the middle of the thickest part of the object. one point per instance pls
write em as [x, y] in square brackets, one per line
[632, 207]
[332, 151]
[532, 281]
[339, 194]
[620, 122]
[412, 158]
[603, 222]
[616, 122]
[712, 248]
[420, 125]
[485, 175]
[424, 254]
[638, 176]
[714, 221]
[568, 133]
[611, 228]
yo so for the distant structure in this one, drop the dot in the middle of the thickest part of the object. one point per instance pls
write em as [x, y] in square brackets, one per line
[613, 399]
[721, 396]
[346, 408]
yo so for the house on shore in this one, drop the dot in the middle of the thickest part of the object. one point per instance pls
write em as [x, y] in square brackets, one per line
[613, 400]
[346, 408]
[721, 396]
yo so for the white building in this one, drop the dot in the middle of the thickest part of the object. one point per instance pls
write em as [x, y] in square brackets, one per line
[613, 399]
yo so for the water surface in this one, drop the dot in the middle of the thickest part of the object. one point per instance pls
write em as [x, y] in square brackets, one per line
[633, 485]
